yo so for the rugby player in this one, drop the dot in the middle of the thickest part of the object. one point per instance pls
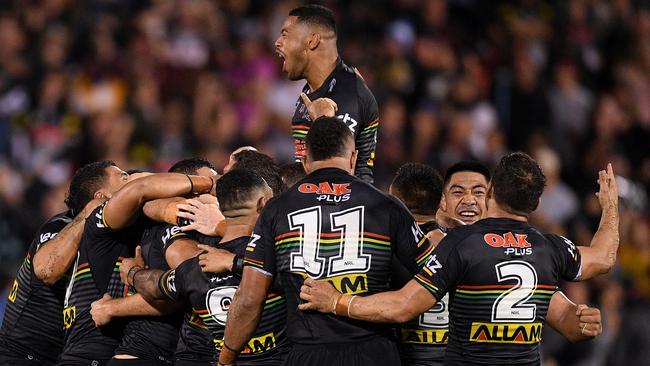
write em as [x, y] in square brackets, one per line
[152, 338]
[110, 234]
[500, 273]
[31, 330]
[423, 340]
[307, 46]
[242, 194]
[335, 227]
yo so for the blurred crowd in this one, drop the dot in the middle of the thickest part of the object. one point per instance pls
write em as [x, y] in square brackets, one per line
[146, 83]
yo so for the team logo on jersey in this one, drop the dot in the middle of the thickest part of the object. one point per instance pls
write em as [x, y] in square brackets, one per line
[69, 315]
[218, 301]
[530, 333]
[514, 244]
[14, 291]
[327, 192]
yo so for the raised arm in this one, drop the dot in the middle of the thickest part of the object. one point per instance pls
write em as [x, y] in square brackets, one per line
[386, 307]
[244, 313]
[575, 322]
[127, 202]
[600, 256]
[163, 209]
[54, 257]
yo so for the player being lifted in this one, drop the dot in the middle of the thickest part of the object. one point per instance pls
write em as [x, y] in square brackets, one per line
[307, 45]
[31, 331]
[500, 273]
[333, 227]
[241, 194]
[423, 340]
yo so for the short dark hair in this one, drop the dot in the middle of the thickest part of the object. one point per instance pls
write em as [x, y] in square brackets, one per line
[468, 166]
[191, 166]
[328, 137]
[85, 182]
[315, 15]
[518, 183]
[292, 172]
[419, 186]
[236, 187]
[263, 165]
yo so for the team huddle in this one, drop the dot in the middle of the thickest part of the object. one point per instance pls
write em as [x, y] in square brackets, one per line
[308, 263]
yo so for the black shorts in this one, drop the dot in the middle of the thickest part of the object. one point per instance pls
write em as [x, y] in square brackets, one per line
[8, 358]
[136, 362]
[375, 351]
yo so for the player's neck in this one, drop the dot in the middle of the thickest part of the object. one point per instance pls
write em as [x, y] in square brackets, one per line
[494, 211]
[339, 163]
[320, 69]
[237, 227]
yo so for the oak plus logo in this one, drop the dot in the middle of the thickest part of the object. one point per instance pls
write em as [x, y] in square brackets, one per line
[327, 192]
[514, 244]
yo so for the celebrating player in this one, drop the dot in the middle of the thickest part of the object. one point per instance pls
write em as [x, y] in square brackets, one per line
[423, 340]
[242, 194]
[31, 331]
[307, 46]
[500, 273]
[334, 227]
[109, 235]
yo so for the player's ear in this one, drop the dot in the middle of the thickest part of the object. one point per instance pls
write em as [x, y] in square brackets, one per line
[443, 203]
[313, 41]
[353, 160]
[489, 192]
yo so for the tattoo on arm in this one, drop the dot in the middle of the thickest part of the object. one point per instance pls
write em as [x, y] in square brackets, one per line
[146, 283]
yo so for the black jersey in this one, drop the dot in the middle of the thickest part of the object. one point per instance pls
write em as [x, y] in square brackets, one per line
[96, 272]
[500, 275]
[152, 338]
[334, 227]
[33, 318]
[357, 108]
[423, 340]
[195, 342]
[210, 295]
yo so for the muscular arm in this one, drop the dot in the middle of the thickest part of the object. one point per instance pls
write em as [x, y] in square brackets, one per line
[162, 210]
[180, 251]
[600, 256]
[127, 202]
[54, 257]
[387, 307]
[147, 284]
[575, 322]
[107, 308]
[245, 312]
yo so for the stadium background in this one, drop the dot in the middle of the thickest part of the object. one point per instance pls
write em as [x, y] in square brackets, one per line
[146, 83]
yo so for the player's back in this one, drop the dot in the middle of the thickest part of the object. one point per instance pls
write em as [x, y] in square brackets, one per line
[334, 227]
[501, 274]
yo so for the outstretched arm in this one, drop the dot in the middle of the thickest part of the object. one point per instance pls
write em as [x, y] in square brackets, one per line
[53, 258]
[386, 307]
[575, 322]
[107, 308]
[127, 202]
[244, 313]
[163, 209]
[600, 256]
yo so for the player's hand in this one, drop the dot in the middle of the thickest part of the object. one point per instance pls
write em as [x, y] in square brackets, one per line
[608, 192]
[590, 321]
[319, 107]
[215, 260]
[130, 263]
[100, 310]
[203, 217]
[207, 199]
[319, 296]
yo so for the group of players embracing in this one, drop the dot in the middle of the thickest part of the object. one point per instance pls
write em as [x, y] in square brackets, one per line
[288, 266]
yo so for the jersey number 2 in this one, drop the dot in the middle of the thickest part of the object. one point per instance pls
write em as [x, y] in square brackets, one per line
[511, 305]
[349, 240]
